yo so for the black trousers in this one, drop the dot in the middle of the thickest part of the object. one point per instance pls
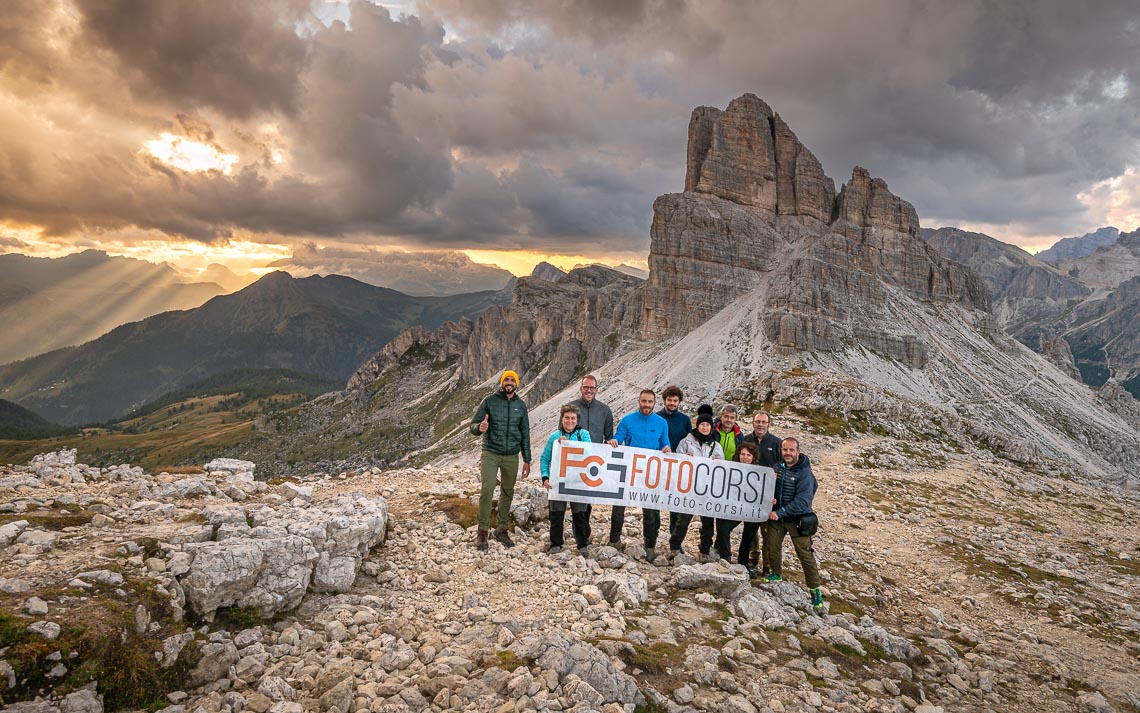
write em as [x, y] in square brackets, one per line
[724, 530]
[708, 526]
[650, 525]
[579, 524]
[743, 554]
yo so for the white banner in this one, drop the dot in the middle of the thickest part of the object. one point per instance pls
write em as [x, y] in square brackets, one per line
[638, 477]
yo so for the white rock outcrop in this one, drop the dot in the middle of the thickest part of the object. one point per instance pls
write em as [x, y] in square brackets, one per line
[271, 565]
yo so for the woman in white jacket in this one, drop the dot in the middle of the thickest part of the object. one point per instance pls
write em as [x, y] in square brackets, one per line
[701, 441]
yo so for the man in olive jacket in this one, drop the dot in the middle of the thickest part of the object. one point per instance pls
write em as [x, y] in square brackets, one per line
[504, 423]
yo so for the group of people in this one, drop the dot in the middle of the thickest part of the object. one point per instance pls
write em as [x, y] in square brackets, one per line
[503, 422]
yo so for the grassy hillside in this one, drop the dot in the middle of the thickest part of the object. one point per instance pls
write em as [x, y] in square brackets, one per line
[188, 426]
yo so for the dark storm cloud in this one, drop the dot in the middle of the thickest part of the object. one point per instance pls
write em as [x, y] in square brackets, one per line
[973, 110]
[240, 58]
[545, 124]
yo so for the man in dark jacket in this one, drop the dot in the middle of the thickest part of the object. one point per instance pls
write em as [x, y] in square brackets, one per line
[795, 489]
[679, 426]
[765, 440]
[596, 417]
[769, 446]
[504, 423]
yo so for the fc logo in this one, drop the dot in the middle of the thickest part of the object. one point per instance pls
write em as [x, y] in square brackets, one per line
[591, 471]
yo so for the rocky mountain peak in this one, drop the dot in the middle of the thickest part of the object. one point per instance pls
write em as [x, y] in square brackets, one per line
[1073, 248]
[548, 272]
[866, 202]
[748, 155]
[758, 209]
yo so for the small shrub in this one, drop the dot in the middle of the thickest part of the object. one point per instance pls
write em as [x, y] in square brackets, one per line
[656, 658]
[238, 618]
[508, 660]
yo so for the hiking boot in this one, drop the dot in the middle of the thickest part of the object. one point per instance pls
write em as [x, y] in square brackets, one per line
[616, 544]
[584, 551]
[773, 577]
[650, 554]
[752, 573]
[503, 538]
[709, 558]
[764, 572]
[555, 549]
[816, 600]
[481, 542]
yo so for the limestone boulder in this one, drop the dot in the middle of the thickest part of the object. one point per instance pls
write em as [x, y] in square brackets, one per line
[567, 656]
[287, 552]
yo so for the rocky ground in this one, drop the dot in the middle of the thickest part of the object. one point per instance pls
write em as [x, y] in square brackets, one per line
[954, 582]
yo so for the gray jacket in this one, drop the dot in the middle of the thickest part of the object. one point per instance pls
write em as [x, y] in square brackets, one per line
[597, 418]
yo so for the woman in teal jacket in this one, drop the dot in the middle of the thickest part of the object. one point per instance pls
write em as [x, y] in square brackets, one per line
[568, 430]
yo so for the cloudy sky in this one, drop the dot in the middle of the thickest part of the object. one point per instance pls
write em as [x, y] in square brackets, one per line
[235, 132]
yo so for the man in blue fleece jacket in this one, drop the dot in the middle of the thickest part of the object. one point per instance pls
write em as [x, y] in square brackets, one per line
[642, 429]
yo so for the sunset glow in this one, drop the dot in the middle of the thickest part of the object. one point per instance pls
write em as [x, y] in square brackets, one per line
[187, 155]
[521, 262]
[238, 255]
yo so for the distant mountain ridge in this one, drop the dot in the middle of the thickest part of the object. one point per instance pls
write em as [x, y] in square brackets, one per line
[1022, 287]
[48, 303]
[325, 326]
[423, 273]
[1081, 313]
[1078, 247]
[1109, 265]
[17, 422]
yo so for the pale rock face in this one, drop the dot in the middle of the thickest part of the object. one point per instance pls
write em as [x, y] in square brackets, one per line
[629, 589]
[272, 565]
[729, 582]
[58, 459]
[705, 251]
[229, 465]
[740, 165]
[11, 531]
[1057, 351]
[749, 156]
[291, 491]
[759, 212]
[85, 701]
[760, 607]
[566, 656]
[269, 574]
[530, 503]
[215, 662]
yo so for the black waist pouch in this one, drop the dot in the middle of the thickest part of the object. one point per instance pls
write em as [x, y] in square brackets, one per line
[808, 524]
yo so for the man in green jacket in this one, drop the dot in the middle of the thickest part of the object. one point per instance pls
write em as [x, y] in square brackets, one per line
[504, 423]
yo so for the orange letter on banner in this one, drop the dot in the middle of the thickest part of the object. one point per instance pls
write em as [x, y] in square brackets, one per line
[652, 470]
[669, 463]
[685, 468]
[633, 471]
[564, 459]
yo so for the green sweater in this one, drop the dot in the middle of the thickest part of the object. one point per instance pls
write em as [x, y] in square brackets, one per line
[508, 431]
